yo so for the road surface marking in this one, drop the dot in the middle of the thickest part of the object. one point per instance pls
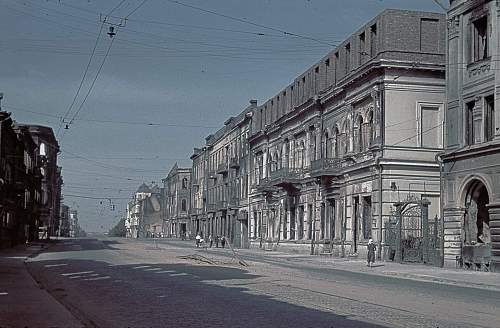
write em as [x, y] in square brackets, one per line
[98, 278]
[166, 271]
[178, 274]
[161, 296]
[141, 267]
[76, 273]
[75, 277]
[55, 265]
[4, 293]
[152, 269]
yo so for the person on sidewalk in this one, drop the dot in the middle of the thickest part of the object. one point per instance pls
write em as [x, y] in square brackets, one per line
[217, 241]
[210, 239]
[198, 239]
[371, 252]
[223, 241]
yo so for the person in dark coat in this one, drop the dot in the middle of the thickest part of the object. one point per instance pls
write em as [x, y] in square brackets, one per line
[371, 252]
[217, 241]
[223, 241]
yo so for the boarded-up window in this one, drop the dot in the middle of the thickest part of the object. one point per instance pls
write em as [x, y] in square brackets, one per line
[430, 127]
[429, 30]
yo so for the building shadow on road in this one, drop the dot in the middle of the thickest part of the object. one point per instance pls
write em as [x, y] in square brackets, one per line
[177, 295]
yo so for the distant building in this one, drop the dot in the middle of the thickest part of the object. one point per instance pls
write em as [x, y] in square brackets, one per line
[176, 203]
[65, 222]
[74, 226]
[471, 169]
[220, 181]
[144, 213]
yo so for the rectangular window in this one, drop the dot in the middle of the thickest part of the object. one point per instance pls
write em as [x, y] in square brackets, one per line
[469, 123]
[430, 127]
[336, 63]
[348, 58]
[490, 118]
[373, 40]
[362, 49]
[480, 39]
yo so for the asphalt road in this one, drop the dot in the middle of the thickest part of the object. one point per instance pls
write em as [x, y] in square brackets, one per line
[127, 283]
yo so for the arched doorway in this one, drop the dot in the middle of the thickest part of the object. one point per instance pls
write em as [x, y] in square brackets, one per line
[477, 218]
[476, 249]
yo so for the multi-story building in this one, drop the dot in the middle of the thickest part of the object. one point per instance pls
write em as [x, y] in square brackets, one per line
[65, 222]
[176, 202]
[220, 178]
[51, 178]
[335, 151]
[144, 213]
[471, 169]
[74, 226]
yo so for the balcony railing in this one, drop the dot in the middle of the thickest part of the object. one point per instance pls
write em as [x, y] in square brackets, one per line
[326, 166]
[222, 205]
[195, 211]
[234, 163]
[211, 207]
[234, 201]
[222, 168]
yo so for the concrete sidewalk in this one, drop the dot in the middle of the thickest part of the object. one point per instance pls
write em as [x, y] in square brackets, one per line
[22, 302]
[452, 276]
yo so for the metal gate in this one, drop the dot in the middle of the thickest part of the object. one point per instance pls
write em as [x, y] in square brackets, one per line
[410, 236]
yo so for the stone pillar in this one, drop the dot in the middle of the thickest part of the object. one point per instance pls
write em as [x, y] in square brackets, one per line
[494, 211]
[453, 225]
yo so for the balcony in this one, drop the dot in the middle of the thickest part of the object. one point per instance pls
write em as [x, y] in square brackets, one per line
[284, 177]
[326, 167]
[234, 202]
[234, 163]
[222, 168]
[211, 207]
[222, 205]
[195, 211]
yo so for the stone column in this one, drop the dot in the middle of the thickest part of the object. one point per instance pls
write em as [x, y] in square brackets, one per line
[453, 225]
[494, 211]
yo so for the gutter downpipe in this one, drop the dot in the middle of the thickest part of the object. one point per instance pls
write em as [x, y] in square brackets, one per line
[441, 204]
[381, 154]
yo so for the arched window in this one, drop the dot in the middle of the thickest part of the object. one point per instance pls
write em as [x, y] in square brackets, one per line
[184, 183]
[359, 137]
[183, 205]
[346, 136]
[337, 143]
[369, 129]
[327, 144]
[286, 153]
[301, 153]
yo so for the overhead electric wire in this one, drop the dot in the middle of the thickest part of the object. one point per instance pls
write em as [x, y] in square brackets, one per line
[82, 80]
[92, 84]
[137, 8]
[178, 125]
[248, 22]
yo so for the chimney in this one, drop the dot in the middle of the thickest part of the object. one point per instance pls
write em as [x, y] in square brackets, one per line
[253, 103]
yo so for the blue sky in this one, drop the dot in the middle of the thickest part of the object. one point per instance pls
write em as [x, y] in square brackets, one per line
[184, 70]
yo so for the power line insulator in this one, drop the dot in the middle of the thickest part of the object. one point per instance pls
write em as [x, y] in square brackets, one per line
[111, 32]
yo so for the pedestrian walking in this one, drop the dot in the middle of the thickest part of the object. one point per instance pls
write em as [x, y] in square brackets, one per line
[371, 252]
[217, 241]
[223, 241]
[198, 240]
[210, 239]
